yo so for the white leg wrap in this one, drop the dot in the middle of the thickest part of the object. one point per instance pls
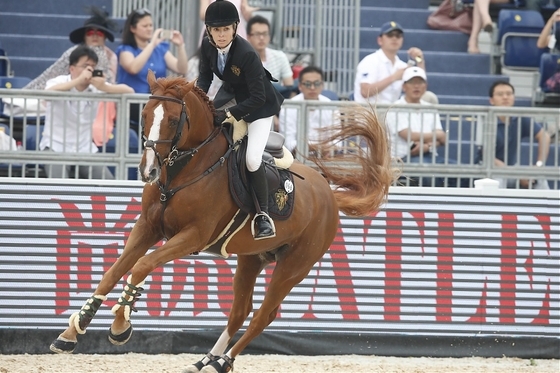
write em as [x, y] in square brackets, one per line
[126, 298]
[75, 317]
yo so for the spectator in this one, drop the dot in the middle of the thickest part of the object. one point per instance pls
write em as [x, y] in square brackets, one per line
[235, 61]
[548, 38]
[379, 75]
[481, 21]
[416, 133]
[96, 31]
[509, 133]
[242, 7]
[310, 85]
[143, 49]
[275, 61]
[68, 124]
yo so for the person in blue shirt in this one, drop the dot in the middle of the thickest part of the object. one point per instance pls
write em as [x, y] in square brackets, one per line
[144, 49]
[511, 130]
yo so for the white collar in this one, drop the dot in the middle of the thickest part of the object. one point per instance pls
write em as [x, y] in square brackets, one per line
[226, 49]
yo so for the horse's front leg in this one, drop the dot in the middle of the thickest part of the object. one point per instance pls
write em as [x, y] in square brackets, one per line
[248, 268]
[176, 247]
[140, 240]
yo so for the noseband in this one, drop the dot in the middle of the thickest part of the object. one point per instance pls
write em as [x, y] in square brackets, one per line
[151, 144]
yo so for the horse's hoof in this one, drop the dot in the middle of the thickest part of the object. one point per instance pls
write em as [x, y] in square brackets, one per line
[63, 346]
[210, 369]
[122, 338]
[216, 367]
[191, 369]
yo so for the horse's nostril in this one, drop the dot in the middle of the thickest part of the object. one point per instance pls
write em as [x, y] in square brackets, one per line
[153, 173]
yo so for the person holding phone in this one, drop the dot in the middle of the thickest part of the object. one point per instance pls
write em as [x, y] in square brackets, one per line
[144, 49]
[68, 123]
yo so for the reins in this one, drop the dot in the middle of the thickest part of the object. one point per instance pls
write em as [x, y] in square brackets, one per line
[177, 159]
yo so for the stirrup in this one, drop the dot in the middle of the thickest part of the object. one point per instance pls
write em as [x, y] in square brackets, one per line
[271, 222]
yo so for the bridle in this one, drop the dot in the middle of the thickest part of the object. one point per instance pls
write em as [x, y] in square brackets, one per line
[151, 144]
[180, 158]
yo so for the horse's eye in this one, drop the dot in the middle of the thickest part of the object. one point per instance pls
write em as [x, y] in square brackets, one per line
[174, 122]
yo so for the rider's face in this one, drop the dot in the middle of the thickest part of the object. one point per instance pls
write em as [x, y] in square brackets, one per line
[222, 35]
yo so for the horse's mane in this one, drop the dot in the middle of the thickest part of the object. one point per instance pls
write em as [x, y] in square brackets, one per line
[178, 87]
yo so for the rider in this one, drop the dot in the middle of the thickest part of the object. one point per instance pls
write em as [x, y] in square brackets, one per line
[238, 65]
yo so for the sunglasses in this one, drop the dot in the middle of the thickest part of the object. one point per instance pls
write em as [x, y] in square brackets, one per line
[315, 84]
[95, 32]
[142, 12]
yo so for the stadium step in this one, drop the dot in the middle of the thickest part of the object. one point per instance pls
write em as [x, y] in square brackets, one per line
[462, 84]
[406, 4]
[427, 40]
[409, 19]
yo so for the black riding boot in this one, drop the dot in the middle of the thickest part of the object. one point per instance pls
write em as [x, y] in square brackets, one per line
[262, 223]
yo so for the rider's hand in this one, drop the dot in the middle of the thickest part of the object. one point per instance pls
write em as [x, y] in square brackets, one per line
[219, 117]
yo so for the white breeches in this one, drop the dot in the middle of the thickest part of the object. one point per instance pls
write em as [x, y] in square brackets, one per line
[257, 137]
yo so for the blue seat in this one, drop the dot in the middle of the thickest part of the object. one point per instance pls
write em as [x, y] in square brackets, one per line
[110, 147]
[330, 94]
[518, 31]
[13, 81]
[549, 64]
[16, 82]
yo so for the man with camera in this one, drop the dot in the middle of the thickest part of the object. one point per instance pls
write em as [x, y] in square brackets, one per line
[68, 123]
[379, 74]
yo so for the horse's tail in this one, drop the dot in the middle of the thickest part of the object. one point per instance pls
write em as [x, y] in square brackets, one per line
[362, 174]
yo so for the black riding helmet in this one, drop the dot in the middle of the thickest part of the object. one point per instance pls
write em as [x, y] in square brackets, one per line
[221, 13]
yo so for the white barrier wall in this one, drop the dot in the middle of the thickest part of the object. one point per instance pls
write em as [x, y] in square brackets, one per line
[432, 262]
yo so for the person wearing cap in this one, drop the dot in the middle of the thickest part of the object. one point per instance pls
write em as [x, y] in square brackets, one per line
[379, 74]
[94, 33]
[232, 59]
[416, 133]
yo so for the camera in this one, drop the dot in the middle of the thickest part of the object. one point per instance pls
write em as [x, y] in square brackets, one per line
[166, 34]
[97, 73]
[414, 61]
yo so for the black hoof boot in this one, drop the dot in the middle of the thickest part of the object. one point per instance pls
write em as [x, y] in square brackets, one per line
[122, 338]
[264, 227]
[223, 365]
[63, 346]
[197, 367]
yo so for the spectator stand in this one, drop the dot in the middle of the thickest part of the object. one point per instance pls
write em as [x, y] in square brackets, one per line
[549, 65]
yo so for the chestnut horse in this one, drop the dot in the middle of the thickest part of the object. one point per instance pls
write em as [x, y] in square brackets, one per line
[191, 207]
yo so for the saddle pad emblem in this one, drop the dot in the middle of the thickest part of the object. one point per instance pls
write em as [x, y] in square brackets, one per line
[288, 186]
[281, 198]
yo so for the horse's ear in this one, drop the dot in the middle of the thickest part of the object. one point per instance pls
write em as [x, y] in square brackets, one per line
[190, 85]
[152, 80]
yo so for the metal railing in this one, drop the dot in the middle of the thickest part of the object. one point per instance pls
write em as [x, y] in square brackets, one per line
[470, 132]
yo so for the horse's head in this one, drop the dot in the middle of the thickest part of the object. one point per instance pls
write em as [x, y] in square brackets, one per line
[178, 116]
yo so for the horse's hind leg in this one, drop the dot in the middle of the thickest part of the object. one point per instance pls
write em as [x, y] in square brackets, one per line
[248, 268]
[290, 270]
[140, 240]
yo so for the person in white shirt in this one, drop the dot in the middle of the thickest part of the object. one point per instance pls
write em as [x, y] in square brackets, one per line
[275, 61]
[310, 85]
[416, 133]
[379, 74]
[68, 124]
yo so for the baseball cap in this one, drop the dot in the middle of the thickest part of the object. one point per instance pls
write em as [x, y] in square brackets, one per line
[390, 26]
[413, 72]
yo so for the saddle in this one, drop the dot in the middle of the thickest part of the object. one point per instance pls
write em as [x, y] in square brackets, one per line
[280, 180]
